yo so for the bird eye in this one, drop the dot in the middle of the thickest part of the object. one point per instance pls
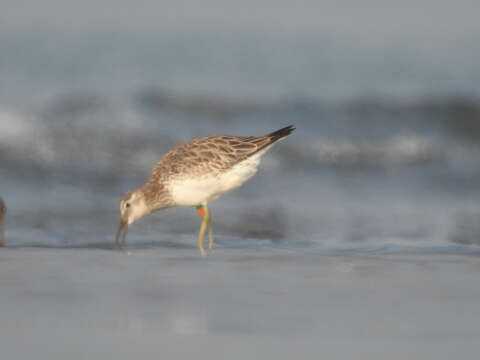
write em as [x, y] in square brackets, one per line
[127, 205]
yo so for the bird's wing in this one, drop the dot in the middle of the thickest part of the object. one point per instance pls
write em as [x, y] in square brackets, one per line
[214, 153]
[241, 147]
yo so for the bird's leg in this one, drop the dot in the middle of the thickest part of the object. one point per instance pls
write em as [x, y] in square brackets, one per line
[208, 217]
[201, 234]
[205, 213]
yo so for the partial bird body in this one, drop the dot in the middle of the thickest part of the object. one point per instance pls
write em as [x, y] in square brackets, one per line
[196, 173]
[209, 186]
[3, 211]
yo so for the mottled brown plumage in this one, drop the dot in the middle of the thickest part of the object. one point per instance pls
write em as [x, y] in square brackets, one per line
[208, 154]
[197, 172]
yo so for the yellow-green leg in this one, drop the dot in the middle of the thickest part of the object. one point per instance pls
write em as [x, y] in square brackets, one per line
[201, 236]
[208, 215]
[206, 224]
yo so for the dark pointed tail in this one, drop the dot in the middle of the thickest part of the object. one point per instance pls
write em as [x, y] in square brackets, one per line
[280, 134]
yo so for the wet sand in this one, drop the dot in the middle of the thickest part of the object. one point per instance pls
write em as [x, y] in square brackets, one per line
[237, 304]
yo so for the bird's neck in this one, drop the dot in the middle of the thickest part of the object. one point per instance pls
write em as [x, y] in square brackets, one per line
[156, 196]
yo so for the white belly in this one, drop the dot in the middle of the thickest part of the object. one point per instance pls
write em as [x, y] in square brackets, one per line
[195, 191]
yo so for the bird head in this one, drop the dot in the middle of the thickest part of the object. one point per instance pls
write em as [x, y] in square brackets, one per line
[132, 207]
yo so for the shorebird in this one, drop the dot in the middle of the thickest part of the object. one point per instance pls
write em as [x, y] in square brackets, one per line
[3, 211]
[195, 173]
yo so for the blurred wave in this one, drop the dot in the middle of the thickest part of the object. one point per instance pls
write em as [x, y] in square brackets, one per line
[84, 131]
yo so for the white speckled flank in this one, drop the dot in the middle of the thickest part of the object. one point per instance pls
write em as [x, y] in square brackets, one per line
[196, 173]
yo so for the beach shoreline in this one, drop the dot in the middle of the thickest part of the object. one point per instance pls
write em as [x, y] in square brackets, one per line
[237, 302]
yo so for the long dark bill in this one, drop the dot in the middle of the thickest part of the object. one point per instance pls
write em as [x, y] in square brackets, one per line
[121, 235]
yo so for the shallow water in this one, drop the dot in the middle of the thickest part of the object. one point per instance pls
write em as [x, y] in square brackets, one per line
[237, 303]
